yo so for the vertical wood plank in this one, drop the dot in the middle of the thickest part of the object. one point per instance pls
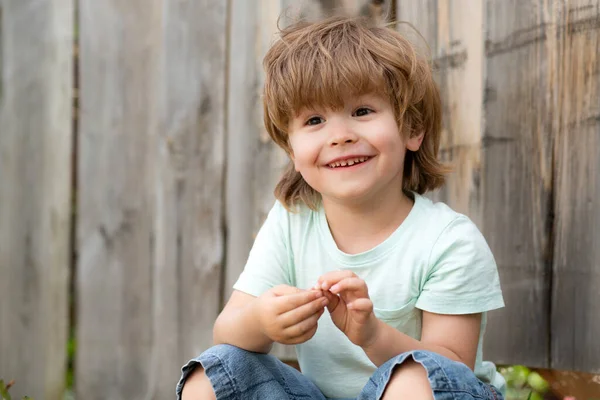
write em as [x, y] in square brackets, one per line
[379, 11]
[254, 163]
[517, 175]
[453, 34]
[36, 75]
[243, 136]
[575, 37]
[150, 231]
[189, 186]
[120, 46]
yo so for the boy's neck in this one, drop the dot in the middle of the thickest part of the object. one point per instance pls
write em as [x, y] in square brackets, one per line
[359, 227]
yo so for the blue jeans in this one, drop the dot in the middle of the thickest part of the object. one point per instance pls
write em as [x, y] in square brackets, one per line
[238, 374]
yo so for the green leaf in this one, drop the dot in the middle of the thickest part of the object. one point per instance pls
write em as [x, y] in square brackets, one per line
[537, 382]
[4, 391]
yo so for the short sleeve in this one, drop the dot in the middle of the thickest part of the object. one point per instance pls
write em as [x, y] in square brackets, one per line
[463, 277]
[268, 263]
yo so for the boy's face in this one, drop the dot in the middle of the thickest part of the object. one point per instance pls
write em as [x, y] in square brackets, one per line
[352, 154]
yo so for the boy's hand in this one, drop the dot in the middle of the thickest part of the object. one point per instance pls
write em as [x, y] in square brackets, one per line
[350, 307]
[289, 315]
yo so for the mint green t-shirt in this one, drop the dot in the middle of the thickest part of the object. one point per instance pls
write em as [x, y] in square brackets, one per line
[436, 260]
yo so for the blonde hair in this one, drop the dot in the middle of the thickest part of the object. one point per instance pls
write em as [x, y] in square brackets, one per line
[319, 64]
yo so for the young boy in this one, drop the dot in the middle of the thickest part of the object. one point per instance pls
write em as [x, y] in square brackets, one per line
[383, 292]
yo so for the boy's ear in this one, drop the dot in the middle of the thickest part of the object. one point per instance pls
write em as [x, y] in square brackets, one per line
[414, 143]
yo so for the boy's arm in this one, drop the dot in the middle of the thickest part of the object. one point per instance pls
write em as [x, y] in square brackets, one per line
[453, 336]
[238, 325]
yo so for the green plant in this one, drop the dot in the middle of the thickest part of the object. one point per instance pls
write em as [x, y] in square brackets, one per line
[522, 383]
[4, 395]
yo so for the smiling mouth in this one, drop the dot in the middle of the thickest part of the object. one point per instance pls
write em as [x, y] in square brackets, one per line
[349, 162]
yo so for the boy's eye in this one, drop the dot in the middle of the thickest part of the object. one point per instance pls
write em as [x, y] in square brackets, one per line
[361, 112]
[314, 121]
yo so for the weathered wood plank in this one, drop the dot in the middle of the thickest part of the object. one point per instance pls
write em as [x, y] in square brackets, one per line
[151, 169]
[243, 133]
[379, 11]
[254, 163]
[119, 62]
[453, 34]
[575, 66]
[36, 74]
[517, 176]
[189, 184]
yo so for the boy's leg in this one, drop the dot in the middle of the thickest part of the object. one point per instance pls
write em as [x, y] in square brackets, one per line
[426, 375]
[197, 386]
[408, 381]
[237, 374]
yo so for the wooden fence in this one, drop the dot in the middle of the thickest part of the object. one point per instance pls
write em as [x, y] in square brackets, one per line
[149, 203]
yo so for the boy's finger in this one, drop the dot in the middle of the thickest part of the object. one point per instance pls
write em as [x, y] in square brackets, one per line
[331, 278]
[363, 308]
[362, 305]
[333, 301]
[302, 327]
[303, 312]
[292, 301]
[354, 284]
[305, 337]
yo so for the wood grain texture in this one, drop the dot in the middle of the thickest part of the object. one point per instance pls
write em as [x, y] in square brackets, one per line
[517, 177]
[575, 70]
[151, 164]
[189, 184]
[450, 33]
[119, 62]
[254, 162]
[312, 10]
[36, 74]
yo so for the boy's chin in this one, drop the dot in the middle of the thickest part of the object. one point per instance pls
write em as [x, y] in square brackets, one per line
[349, 196]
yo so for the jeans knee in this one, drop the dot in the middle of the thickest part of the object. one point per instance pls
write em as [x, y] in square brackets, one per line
[449, 375]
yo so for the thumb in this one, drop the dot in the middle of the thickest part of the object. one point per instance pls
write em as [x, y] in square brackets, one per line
[283, 290]
[333, 300]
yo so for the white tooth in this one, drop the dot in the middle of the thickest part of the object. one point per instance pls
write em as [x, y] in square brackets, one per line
[350, 162]
[343, 163]
[363, 159]
[356, 160]
[337, 164]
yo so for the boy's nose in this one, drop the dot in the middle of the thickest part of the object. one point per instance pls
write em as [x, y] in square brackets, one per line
[340, 140]
[342, 134]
